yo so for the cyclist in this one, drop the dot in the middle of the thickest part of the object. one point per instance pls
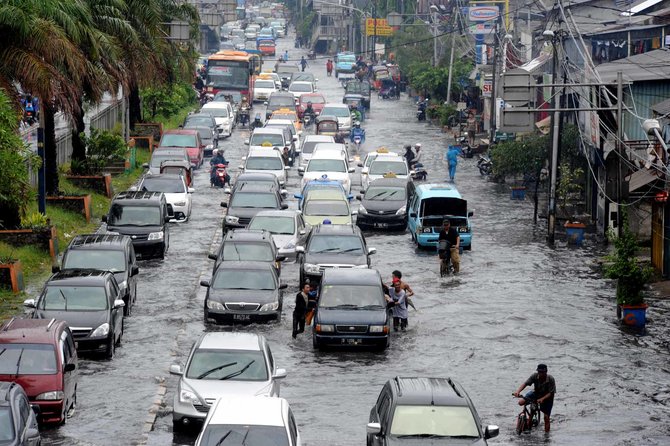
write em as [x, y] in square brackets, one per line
[451, 235]
[544, 388]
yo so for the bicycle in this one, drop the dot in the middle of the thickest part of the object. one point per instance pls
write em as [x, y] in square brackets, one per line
[528, 418]
[444, 252]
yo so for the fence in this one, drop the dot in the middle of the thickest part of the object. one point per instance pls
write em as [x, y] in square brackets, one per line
[63, 154]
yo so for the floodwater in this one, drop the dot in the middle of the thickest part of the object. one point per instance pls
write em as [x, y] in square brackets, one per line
[517, 302]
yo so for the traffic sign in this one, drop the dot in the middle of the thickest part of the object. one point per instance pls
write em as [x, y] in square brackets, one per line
[383, 29]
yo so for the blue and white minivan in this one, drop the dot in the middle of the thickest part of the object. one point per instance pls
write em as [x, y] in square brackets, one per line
[431, 204]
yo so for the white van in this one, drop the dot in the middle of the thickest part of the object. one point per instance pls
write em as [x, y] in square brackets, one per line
[223, 115]
[331, 163]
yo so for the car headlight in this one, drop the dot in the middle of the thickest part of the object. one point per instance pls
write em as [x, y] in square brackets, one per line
[54, 395]
[378, 328]
[290, 245]
[311, 268]
[231, 219]
[156, 235]
[362, 210]
[272, 306]
[401, 211]
[427, 230]
[102, 330]
[180, 203]
[321, 328]
[214, 305]
[463, 229]
[187, 395]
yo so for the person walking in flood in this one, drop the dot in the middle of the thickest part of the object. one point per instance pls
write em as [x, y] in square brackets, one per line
[303, 63]
[399, 309]
[452, 159]
[300, 310]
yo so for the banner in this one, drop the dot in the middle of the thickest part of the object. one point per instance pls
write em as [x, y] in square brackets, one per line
[383, 29]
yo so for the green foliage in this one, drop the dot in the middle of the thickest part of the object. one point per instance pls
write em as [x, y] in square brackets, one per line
[166, 100]
[568, 186]
[102, 147]
[34, 220]
[520, 157]
[305, 27]
[441, 112]
[623, 266]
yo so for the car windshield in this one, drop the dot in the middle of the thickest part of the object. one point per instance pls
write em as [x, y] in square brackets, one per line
[442, 421]
[265, 84]
[6, 425]
[274, 224]
[204, 132]
[217, 112]
[281, 101]
[103, 259]
[241, 279]
[254, 200]
[291, 117]
[305, 77]
[27, 359]
[351, 295]
[171, 140]
[383, 167]
[73, 298]
[264, 163]
[221, 96]
[236, 435]
[384, 193]
[300, 87]
[340, 112]
[257, 252]
[308, 146]
[157, 158]
[265, 139]
[126, 215]
[335, 208]
[336, 244]
[165, 185]
[326, 165]
[287, 69]
[218, 364]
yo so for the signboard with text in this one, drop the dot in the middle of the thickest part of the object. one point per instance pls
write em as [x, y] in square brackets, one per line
[382, 29]
[487, 88]
[482, 13]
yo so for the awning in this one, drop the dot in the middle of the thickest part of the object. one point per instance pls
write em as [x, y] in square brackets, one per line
[662, 108]
[544, 125]
[650, 66]
[536, 66]
[640, 179]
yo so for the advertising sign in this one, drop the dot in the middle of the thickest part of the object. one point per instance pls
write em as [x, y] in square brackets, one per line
[383, 29]
[487, 88]
[482, 13]
[481, 28]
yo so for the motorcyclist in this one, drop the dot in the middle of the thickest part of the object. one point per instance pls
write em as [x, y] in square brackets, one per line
[408, 155]
[309, 111]
[244, 110]
[357, 131]
[339, 138]
[286, 157]
[355, 114]
[257, 121]
[217, 158]
[199, 84]
[417, 156]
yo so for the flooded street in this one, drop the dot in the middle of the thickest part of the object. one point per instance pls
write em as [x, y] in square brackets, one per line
[516, 303]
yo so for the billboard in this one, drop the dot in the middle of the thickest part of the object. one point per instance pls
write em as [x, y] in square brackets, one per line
[383, 29]
[482, 13]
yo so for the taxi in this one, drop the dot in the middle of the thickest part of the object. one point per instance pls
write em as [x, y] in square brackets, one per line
[365, 164]
[285, 113]
[264, 86]
[327, 204]
[274, 76]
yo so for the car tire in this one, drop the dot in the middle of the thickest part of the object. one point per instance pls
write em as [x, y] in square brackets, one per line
[315, 343]
[468, 248]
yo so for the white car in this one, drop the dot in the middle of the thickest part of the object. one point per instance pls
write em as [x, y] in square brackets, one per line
[341, 112]
[308, 145]
[342, 148]
[250, 420]
[384, 165]
[274, 76]
[173, 186]
[369, 158]
[330, 163]
[268, 137]
[263, 88]
[302, 87]
[267, 160]
[223, 116]
[288, 228]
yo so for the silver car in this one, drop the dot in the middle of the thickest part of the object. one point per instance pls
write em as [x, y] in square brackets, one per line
[222, 364]
[288, 229]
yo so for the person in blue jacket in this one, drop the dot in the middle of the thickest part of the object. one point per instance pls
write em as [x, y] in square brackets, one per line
[452, 158]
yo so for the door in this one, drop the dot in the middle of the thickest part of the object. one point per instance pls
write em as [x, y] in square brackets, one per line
[68, 354]
[383, 409]
[413, 214]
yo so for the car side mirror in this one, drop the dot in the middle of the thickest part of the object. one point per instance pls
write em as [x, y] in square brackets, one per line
[205, 283]
[240, 167]
[298, 196]
[365, 170]
[279, 374]
[351, 160]
[360, 164]
[190, 190]
[134, 270]
[351, 170]
[300, 249]
[491, 431]
[302, 232]
[283, 193]
[212, 256]
[175, 369]
[412, 172]
[30, 303]
[372, 251]
[166, 219]
[55, 269]
[227, 190]
[69, 367]
[145, 165]
[287, 167]
[265, 103]
[354, 213]
[133, 188]
[283, 286]
[246, 141]
[471, 213]
[103, 219]
[284, 206]
[373, 428]
[119, 303]
[224, 204]
[358, 197]
[412, 214]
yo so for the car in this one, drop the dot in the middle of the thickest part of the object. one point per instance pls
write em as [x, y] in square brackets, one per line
[255, 245]
[386, 166]
[317, 100]
[18, 423]
[161, 155]
[246, 201]
[298, 88]
[268, 33]
[288, 229]
[221, 364]
[265, 160]
[90, 301]
[274, 76]
[40, 355]
[266, 46]
[269, 137]
[369, 158]
[384, 204]
[359, 87]
[264, 86]
[304, 76]
[279, 99]
[291, 115]
[250, 420]
[189, 139]
[351, 310]
[223, 115]
[341, 148]
[232, 96]
[330, 163]
[277, 122]
[144, 217]
[177, 193]
[341, 112]
[320, 184]
[307, 147]
[281, 31]
[256, 178]
[345, 62]
[426, 411]
[243, 292]
[332, 246]
[331, 205]
[208, 137]
[250, 34]
[227, 46]
[105, 252]
[203, 119]
[285, 71]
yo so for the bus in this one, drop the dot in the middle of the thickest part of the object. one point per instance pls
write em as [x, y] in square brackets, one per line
[231, 70]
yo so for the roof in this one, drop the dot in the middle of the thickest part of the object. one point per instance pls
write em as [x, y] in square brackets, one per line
[650, 66]
[437, 190]
[662, 108]
[180, 131]
[255, 188]
[336, 229]
[351, 276]
[99, 241]
[388, 157]
[319, 138]
[37, 331]
[256, 410]
[277, 213]
[267, 131]
[329, 194]
[246, 265]
[536, 66]
[438, 391]
[247, 235]
[78, 276]
[336, 104]
[164, 176]
[400, 182]
[138, 195]
[257, 176]
[230, 341]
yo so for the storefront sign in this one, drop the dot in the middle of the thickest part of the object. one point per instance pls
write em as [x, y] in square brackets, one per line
[382, 29]
[482, 13]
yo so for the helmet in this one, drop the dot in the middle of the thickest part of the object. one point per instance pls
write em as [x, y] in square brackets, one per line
[215, 152]
[358, 125]
[309, 103]
[417, 145]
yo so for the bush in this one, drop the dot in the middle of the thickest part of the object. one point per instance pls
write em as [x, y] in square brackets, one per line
[34, 221]
[167, 100]
[102, 147]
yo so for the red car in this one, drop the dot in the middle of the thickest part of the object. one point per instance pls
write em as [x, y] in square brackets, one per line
[267, 47]
[189, 139]
[41, 355]
[317, 100]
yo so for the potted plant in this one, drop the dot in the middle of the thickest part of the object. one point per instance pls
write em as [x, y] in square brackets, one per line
[567, 189]
[11, 273]
[631, 276]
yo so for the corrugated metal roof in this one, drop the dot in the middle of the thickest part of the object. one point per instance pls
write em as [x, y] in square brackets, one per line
[650, 66]
[662, 108]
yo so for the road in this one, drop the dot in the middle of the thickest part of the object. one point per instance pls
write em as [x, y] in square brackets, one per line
[517, 302]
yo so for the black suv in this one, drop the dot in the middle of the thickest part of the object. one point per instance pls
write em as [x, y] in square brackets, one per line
[105, 252]
[254, 245]
[18, 423]
[279, 99]
[430, 411]
[144, 217]
[246, 201]
[384, 204]
[332, 246]
[89, 301]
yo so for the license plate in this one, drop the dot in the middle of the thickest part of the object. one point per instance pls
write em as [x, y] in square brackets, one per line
[241, 317]
[381, 225]
[352, 341]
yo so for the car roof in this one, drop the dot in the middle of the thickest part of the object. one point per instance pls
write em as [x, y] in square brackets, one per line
[300, 82]
[327, 194]
[249, 410]
[329, 154]
[264, 152]
[180, 132]
[383, 152]
[400, 182]
[164, 176]
[437, 190]
[349, 276]
[255, 188]
[277, 213]
[168, 150]
[245, 235]
[105, 241]
[246, 265]
[267, 130]
[142, 196]
[429, 391]
[221, 340]
[199, 115]
[319, 138]
[281, 93]
[217, 104]
[34, 331]
[78, 276]
[391, 158]
[336, 105]
[336, 230]
[306, 96]
[250, 176]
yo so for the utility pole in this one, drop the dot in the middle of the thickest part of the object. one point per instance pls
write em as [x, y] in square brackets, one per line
[374, 32]
[492, 117]
[433, 14]
[555, 142]
[451, 55]
[618, 146]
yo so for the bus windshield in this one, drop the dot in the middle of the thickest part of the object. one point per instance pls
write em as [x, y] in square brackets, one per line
[235, 77]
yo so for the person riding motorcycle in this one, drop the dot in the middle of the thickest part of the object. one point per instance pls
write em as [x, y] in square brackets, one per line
[217, 158]
[309, 111]
[356, 115]
[417, 156]
[408, 155]
[244, 110]
[357, 131]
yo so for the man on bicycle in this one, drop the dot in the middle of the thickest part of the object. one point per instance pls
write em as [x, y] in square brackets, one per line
[451, 235]
[543, 391]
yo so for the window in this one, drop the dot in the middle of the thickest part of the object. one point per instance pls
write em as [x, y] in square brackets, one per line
[336, 244]
[333, 296]
[106, 260]
[165, 185]
[340, 112]
[274, 224]
[323, 207]
[218, 434]
[120, 215]
[69, 342]
[171, 140]
[24, 410]
[28, 359]
[216, 112]
[380, 167]
[270, 358]
[73, 298]
[326, 165]
[6, 425]
[264, 163]
[244, 251]
[384, 193]
[254, 200]
[66, 354]
[384, 408]
[275, 140]
[237, 279]
[293, 429]
[444, 421]
[238, 365]
[265, 84]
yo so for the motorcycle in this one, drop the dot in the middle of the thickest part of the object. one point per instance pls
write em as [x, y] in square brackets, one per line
[244, 116]
[421, 110]
[420, 173]
[484, 165]
[220, 177]
[466, 150]
[29, 115]
[358, 140]
[205, 98]
[307, 120]
[257, 122]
